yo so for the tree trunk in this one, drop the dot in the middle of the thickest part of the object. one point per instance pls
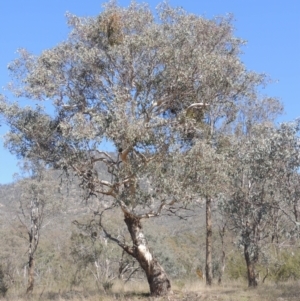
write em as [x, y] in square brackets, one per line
[223, 256]
[33, 242]
[30, 283]
[208, 265]
[252, 282]
[157, 278]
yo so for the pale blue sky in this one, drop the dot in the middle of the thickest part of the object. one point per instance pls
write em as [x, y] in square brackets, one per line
[272, 29]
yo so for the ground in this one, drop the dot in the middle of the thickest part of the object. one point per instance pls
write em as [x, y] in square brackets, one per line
[182, 291]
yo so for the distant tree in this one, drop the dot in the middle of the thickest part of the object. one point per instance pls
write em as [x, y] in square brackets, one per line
[259, 165]
[148, 85]
[38, 201]
[207, 177]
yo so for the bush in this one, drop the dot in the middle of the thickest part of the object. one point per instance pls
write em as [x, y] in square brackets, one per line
[236, 266]
[288, 267]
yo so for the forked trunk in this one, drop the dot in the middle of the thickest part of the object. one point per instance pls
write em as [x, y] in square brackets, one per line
[208, 265]
[30, 283]
[252, 281]
[157, 278]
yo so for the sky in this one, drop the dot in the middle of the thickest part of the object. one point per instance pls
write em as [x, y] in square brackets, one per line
[272, 29]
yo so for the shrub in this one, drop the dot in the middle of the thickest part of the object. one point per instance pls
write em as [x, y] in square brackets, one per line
[236, 266]
[288, 267]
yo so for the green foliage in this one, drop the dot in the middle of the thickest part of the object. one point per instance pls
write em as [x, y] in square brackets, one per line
[85, 250]
[283, 267]
[287, 267]
[235, 266]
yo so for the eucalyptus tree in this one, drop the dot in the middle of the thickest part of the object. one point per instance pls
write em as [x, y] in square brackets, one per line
[288, 179]
[38, 201]
[149, 85]
[260, 164]
[234, 113]
[206, 178]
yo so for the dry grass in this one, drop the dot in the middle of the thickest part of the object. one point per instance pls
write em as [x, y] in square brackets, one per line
[182, 291]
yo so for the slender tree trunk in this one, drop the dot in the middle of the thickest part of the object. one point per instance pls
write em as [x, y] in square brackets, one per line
[33, 242]
[208, 265]
[295, 208]
[157, 278]
[223, 256]
[30, 283]
[252, 281]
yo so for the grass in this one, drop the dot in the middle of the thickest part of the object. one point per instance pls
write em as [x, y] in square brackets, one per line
[181, 291]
